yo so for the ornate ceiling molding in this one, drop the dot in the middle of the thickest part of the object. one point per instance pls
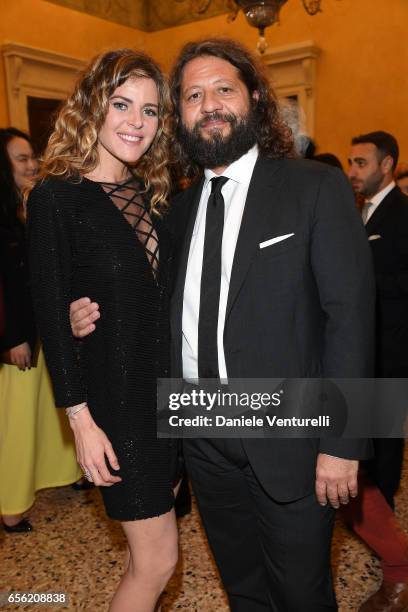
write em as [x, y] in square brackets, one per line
[149, 15]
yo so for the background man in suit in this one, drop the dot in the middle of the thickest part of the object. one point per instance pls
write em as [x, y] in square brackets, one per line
[274, 274]
[372, 161]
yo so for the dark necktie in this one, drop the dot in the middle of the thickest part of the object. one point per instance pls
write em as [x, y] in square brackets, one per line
[211, 282]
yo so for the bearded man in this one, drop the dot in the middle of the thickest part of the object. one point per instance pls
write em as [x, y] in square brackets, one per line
[372, 162]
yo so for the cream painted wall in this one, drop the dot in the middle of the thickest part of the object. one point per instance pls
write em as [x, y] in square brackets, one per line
[361, 76]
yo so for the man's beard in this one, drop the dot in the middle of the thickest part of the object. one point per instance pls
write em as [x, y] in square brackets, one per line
[370, 186]
[217, 150]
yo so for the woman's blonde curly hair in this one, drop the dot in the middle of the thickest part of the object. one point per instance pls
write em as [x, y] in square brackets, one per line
[72, 147]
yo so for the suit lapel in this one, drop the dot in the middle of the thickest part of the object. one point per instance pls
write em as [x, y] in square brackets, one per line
[380, 213]
[260, 202]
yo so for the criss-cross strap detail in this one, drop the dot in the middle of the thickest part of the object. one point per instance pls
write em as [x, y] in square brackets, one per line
[128, 198]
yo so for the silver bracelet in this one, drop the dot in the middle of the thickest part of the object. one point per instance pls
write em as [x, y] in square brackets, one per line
[73, 410]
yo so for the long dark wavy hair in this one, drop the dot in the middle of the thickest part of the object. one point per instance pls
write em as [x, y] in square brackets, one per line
[273, 136]
[72, 147]
[10, 197]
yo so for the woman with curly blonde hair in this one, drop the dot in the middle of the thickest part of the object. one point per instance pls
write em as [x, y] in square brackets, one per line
[95, 228]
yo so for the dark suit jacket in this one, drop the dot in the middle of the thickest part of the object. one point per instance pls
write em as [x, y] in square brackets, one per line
[19, 325]
[390, 254]
[300, 308]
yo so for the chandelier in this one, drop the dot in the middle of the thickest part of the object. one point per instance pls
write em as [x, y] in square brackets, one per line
[259, 14]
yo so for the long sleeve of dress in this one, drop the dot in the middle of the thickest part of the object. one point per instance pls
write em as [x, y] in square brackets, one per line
[50, 256]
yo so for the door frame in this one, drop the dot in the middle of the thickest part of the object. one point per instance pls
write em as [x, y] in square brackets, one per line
[38, 73]
[291, 70]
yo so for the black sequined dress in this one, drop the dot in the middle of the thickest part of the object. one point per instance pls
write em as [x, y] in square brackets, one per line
[99, 240]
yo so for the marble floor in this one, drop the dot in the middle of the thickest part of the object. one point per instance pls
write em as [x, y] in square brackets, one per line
[75, 549]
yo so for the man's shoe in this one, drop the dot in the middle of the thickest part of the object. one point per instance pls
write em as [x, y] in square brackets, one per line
[391, 597]
[22, 527]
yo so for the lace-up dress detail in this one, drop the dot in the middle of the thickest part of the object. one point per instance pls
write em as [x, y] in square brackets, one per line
[100, 240]
[128, 198]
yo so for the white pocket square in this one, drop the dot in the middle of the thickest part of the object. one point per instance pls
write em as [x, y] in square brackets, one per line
[267, 243]
[374, 237]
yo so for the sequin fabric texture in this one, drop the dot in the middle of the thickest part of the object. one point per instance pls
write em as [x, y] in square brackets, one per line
[99, 240]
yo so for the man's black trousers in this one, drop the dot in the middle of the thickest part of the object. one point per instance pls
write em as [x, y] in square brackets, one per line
[271, 556]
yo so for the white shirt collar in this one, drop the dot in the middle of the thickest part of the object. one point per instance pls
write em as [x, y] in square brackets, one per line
[378, 198]
[240, 170]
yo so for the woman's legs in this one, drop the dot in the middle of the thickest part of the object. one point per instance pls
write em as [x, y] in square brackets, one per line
[153, 551]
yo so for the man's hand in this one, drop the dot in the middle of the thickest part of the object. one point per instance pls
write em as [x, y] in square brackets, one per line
[336, 480]
[20, 356]
[82, 314]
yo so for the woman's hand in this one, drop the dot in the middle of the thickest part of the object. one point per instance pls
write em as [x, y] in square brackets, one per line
[20, 356]
[92, 445]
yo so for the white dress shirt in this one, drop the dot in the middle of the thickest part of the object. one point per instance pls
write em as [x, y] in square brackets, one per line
[378, 198]
[234, 192]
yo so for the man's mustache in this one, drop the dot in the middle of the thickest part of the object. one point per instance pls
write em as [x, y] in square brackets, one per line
[215, 116]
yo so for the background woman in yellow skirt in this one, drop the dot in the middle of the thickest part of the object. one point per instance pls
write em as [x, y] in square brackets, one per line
[36, 445]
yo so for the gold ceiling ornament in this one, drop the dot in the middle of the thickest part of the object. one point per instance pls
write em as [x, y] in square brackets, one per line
[260, 14]
[312, 6]
[155, 15]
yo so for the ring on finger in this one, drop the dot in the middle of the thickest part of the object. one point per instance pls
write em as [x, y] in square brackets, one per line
[88, 475]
